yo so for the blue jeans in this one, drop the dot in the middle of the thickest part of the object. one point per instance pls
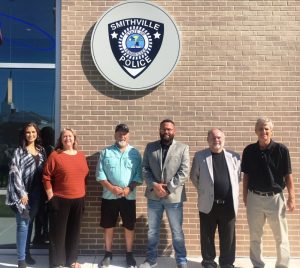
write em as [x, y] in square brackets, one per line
[24, 227]
[175, 217]
[22, 232]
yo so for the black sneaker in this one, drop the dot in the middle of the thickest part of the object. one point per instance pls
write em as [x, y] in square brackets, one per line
[29, 259]
[105, 263]
[131, 263]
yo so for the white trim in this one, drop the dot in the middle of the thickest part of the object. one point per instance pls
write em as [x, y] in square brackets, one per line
[28, 65]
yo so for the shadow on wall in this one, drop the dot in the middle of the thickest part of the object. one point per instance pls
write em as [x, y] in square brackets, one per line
[98, 81]
[92, 238]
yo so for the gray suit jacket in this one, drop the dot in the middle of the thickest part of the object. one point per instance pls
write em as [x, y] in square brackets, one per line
[203, 178]
[174, 172]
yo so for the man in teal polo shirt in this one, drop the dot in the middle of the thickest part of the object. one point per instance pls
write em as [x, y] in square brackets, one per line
[119, 172]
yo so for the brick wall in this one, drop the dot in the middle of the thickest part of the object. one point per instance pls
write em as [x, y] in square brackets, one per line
[239, 60]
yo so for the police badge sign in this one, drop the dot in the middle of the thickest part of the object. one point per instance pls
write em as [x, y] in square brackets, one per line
[135, 43]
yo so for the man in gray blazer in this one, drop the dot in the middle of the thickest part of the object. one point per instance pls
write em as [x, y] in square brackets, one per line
[165, 170]
[216, 175]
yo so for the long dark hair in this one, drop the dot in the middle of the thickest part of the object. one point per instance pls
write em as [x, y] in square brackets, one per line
[22, 140]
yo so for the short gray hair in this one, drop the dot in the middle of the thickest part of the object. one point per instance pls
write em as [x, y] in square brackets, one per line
[214, 128]
[264, 121]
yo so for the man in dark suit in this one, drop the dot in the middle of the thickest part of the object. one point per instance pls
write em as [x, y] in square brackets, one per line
[165, 170]
[216, 175]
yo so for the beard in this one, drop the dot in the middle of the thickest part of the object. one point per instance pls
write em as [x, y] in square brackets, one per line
[121, 144]
[167, 139]
[216, 147]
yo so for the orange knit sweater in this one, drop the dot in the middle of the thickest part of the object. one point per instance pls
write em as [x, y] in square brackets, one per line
[66, 174]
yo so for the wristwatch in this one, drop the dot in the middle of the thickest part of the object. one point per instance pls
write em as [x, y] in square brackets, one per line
[131, 187]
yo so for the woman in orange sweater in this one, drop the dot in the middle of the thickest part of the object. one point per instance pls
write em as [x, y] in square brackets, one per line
[64, 180]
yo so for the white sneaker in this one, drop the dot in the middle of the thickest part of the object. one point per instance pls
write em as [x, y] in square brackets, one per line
[147, 264]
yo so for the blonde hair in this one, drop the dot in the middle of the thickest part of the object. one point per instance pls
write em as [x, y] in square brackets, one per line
[264, 121]
[59, 145]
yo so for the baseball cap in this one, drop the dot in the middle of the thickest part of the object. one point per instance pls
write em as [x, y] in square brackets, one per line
[122, 128]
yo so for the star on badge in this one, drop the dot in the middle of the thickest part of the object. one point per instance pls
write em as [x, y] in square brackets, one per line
[157, 35]
[114, 35]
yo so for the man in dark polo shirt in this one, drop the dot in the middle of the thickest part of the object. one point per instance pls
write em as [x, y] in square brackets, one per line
[216, 175]
[267, 170]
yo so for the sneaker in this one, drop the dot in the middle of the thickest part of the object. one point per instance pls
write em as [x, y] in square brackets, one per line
[182, 265]
[22, 264]
[105, 263]
[131, 263]
[29, 259]
[147, 264]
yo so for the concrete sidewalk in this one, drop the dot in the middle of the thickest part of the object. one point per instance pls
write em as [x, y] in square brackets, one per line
[8, 259]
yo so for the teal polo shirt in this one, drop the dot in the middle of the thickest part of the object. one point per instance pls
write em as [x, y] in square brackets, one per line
[119, 169]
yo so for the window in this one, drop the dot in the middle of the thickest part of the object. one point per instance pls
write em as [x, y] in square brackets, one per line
[28, 85]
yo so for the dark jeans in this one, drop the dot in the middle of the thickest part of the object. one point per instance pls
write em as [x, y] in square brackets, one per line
[65, 217]
[223, 217]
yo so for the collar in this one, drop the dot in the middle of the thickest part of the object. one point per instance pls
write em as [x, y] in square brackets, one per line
[163, 145]
[212, 153]
[118, 149]
[270, 146]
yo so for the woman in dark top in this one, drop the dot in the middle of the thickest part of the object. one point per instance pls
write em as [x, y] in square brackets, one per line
[25, 187]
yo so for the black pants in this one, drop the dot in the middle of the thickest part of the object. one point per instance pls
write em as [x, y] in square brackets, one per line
[65, 217]
[41, 221]
[223, 217]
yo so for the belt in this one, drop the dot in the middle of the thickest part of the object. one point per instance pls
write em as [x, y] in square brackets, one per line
[219, 201]
[264, 193]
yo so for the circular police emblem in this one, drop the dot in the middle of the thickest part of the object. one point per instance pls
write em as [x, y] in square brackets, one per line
[135, 52]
